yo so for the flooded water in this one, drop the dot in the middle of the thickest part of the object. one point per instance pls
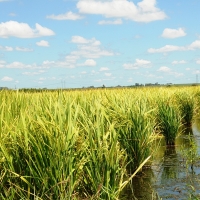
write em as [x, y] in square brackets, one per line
[174, 173]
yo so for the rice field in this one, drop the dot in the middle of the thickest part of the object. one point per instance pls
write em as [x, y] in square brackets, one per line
[86, 144]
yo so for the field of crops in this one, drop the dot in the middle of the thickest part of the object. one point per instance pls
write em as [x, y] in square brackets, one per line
[85, 144]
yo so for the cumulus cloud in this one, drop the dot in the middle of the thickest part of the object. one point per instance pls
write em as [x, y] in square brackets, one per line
[197, 72]
[87, 49]
[104, 69]
[137, 64]
[175, 62]
[194, 45]
[198, 61]
[17, 65]
[108, 74]
[169, 48]
[7, 78]
[106, 22]
[89, 62]
[67, 16]
[164, 69]
[173, 33]
[33, 66]
[6, 48]
[82, 40]
[42, 43]
[169, 71]
[144, 11]
[2, 63]
[79, 40]
[23, 30]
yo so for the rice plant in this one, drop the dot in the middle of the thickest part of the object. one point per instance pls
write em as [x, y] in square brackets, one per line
[169, 121]
[186, 106]
[41, 159]
[136, 131]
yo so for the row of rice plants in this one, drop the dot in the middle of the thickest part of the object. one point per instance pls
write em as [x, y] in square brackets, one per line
[77, 144]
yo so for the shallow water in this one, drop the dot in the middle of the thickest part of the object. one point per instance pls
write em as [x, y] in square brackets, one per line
[172, 174]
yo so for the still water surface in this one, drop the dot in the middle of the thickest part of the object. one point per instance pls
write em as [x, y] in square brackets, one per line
[172, 175]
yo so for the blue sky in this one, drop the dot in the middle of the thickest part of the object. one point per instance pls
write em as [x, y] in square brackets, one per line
[82, 43]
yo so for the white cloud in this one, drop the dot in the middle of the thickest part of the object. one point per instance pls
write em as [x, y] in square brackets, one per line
[72, 58]
[173, 33]
[88, 48]
[79, 40]
[197, 72]
[43, 43]
[23, 30]
[6, 48]
[194, 45]
[67, 16]
[108, 74]
[45, 65]
[141, 62]
[2, 63]
[82, 40]
[23, 49]
[88, 51]
[103, 69]
[164, 69]
[137, 64]
[6, 78]
[144, 11]
[169, 48]
[89, 62]
[175, 62]
[115, 22]
[198, 61]
[17, 65]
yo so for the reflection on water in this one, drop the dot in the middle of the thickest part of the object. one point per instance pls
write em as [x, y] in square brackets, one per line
[170, 164]
[141, 186]
[172, 174]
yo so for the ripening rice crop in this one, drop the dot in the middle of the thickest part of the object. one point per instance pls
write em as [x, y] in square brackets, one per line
[85, 144]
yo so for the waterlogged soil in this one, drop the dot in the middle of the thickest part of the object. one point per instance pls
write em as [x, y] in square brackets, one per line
[174, 173]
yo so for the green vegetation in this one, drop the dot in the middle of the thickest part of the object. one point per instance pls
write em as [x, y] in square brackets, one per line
[169, 121]
[82, 144]
[187, 107]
